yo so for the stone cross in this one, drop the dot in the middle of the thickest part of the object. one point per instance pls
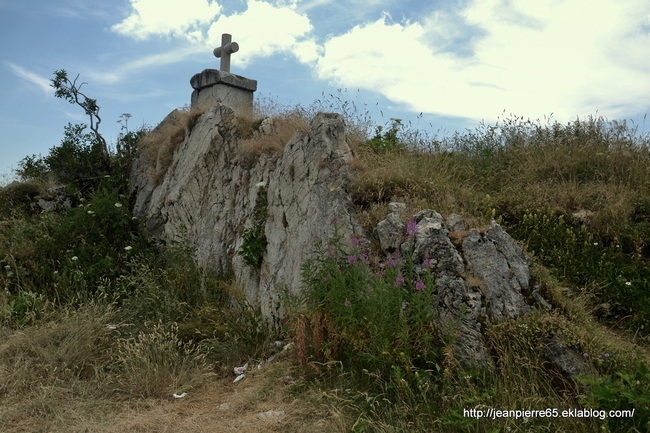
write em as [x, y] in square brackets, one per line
[225, 50]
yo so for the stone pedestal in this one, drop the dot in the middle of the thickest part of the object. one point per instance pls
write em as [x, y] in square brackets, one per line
[213, 86]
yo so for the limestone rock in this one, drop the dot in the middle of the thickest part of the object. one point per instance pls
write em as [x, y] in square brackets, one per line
[565, 358]
[484, 279]
[502, 269]
[391, 230]
[54, 200]
[210, 192]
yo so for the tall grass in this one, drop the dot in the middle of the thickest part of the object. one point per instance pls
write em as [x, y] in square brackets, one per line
[581, 188]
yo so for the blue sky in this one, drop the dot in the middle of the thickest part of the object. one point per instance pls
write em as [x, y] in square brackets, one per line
[456, 62]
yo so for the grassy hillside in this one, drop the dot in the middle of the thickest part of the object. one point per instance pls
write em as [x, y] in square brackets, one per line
[98, 324]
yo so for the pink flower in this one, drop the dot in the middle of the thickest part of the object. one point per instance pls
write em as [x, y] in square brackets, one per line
[411, 228]
[419, 285]
[399, 281]
[347, 303]
[427, 263]
[352, 260]
[355, 242]
[390, 262]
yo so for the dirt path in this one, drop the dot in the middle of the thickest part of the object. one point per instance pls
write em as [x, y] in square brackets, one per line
[264, 401]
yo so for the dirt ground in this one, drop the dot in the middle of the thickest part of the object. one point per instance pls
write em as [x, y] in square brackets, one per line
[267, 400]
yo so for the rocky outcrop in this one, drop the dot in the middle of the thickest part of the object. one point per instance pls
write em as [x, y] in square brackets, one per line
[484, 278]
[222, 201]
[212, 193]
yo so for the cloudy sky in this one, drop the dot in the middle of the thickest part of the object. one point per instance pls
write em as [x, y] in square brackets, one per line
[456, 62]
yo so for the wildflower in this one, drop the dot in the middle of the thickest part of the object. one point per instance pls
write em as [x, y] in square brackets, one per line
[91, 212]
[334, 220]
[365, 259]
[596, 244]
[536, 286]
[419, 285]
[352, 260]
[74, 258]
[118, 204]
[427, 263]
[128, 248]
[607, 355]
[261, 184]
[586, 355]
[411, 228]
[399, 281]
[355, 242]
[628, 283]
[390, 262]
[347, 303]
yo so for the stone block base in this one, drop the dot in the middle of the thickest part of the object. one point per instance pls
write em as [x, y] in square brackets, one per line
[212, 86]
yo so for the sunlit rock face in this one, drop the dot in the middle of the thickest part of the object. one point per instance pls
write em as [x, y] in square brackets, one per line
[212, 192]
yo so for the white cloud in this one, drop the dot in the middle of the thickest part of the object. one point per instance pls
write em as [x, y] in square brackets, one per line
[264, 30]
[568, 57]
[133, 67]
[168, 17]
[42, 83]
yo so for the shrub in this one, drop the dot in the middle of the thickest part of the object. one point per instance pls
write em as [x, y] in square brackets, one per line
[629, 392]
[79, 160]
[254, 238]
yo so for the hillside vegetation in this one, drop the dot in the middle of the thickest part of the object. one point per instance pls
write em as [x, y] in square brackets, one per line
[97, 324]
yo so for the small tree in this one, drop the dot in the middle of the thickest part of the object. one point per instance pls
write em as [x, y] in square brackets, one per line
[68, 90]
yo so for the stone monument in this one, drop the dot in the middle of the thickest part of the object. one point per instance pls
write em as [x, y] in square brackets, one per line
[214, 86]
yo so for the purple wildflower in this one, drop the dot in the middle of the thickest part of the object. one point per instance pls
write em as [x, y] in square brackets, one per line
[586, 355]
[365, 259]
[411, 228]
[607, 355]
[419, 285]
[352, 260]
[355, 242]
[390, 262]
[399, 281]
[427, 263]
[347, 303]
[334, 220]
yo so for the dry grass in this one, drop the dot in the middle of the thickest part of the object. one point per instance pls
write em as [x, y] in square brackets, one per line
[157, 148]
[217, 407]
[589, 165]
[276, 133]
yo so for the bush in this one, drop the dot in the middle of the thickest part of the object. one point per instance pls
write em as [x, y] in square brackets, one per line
[629, 392]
